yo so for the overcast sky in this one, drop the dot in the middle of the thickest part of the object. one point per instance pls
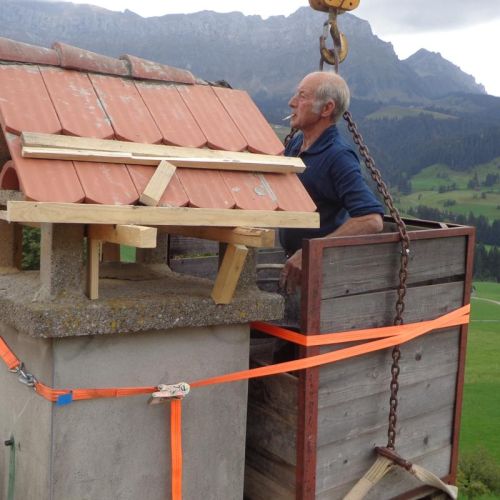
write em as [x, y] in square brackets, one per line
[464, 32]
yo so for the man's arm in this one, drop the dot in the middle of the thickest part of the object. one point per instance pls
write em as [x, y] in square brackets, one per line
[364, 224]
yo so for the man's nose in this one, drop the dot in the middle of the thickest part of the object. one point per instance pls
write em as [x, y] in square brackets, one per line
[292, 101]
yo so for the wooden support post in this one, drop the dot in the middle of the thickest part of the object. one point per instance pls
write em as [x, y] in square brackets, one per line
[11, 241]
[93, 259]
[229, 273]
[61, 260]
[157, 184]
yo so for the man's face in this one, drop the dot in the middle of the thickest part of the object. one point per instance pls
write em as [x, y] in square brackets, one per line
[302, 104]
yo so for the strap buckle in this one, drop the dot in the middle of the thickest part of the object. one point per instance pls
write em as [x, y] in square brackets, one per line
[167, 392]
[24, 376]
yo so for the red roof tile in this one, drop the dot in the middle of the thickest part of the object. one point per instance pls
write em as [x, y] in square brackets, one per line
[250, 122]
[45, 180]
[23, 52]
[8, 177]
[130, 118]
[213, 119]
[205, 188]
[250, 191]
[85, 60]
[148, 70]
[171, 115]
[92, 105]
[25, 103]
[290, 193]
[76, 103]
[174, 195]
[106, 183]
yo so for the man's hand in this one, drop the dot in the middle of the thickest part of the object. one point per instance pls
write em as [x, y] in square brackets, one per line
[291, 274]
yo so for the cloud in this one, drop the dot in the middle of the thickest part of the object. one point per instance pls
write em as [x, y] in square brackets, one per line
[402, 16]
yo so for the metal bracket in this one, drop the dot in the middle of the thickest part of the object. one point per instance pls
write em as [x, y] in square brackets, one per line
[167, 392]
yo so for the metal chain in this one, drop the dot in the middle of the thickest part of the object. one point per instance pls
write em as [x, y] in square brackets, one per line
[403, 234]
[403, 271]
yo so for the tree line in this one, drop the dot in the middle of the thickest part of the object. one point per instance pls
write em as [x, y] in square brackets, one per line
[486, 260]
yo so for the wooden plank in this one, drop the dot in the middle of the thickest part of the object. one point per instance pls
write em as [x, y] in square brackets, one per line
[377, 309]
[54, 141]
[97, 156]
[250, 237]
[33, 139]
[273, 433]
[352, 270]
[259, 486]
[229, 273]
[134, 236]
[346, 420]
[157, 184]
[433, 355]
[93, 258]
[342, 463]
[25, 211]
[395, 482]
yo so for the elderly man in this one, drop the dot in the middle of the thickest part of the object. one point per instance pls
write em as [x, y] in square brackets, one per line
[333, 176]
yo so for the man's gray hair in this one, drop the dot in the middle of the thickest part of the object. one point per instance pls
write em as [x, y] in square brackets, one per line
[332, 88]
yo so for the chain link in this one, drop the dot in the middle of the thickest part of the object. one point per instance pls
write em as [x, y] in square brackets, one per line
[403, 270]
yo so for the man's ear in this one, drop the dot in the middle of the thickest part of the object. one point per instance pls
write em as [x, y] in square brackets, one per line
[328, 109]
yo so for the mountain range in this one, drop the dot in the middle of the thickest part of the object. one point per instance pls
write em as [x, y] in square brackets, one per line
[423, 100]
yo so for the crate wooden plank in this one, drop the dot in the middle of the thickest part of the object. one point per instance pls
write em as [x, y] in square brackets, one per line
[260, 487]
[134, 236]
[276, 395]
[345, 462]
[343, 421]
[377, 309]
[352, 270]
[270, 430]
[433, 355]
[395, 482]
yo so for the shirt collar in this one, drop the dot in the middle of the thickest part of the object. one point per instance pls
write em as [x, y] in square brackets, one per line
[323, 141]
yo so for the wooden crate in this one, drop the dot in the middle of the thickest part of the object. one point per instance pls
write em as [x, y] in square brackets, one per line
[311, 435]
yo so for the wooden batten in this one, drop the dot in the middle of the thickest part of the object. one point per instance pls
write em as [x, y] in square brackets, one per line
[86, 149]
[134, 236]
[229, 273]
[157, 184]
[250, 237]
[26, 211]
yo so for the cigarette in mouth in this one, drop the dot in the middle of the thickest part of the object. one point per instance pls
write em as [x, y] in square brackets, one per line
[287, 117]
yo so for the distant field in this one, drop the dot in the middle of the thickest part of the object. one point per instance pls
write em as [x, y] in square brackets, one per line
[466, 201]
[460, 198]
[481, 408]
[399, 112]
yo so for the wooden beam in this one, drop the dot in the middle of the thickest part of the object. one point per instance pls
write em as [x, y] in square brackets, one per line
[229, 273]
[31, 139]
[250, 237]
[157, 184]
[79, 213]
[134, 236]
[247, 164]
[93, 258]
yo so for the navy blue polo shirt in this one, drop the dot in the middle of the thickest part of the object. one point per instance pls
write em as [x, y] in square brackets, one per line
[333, 180]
